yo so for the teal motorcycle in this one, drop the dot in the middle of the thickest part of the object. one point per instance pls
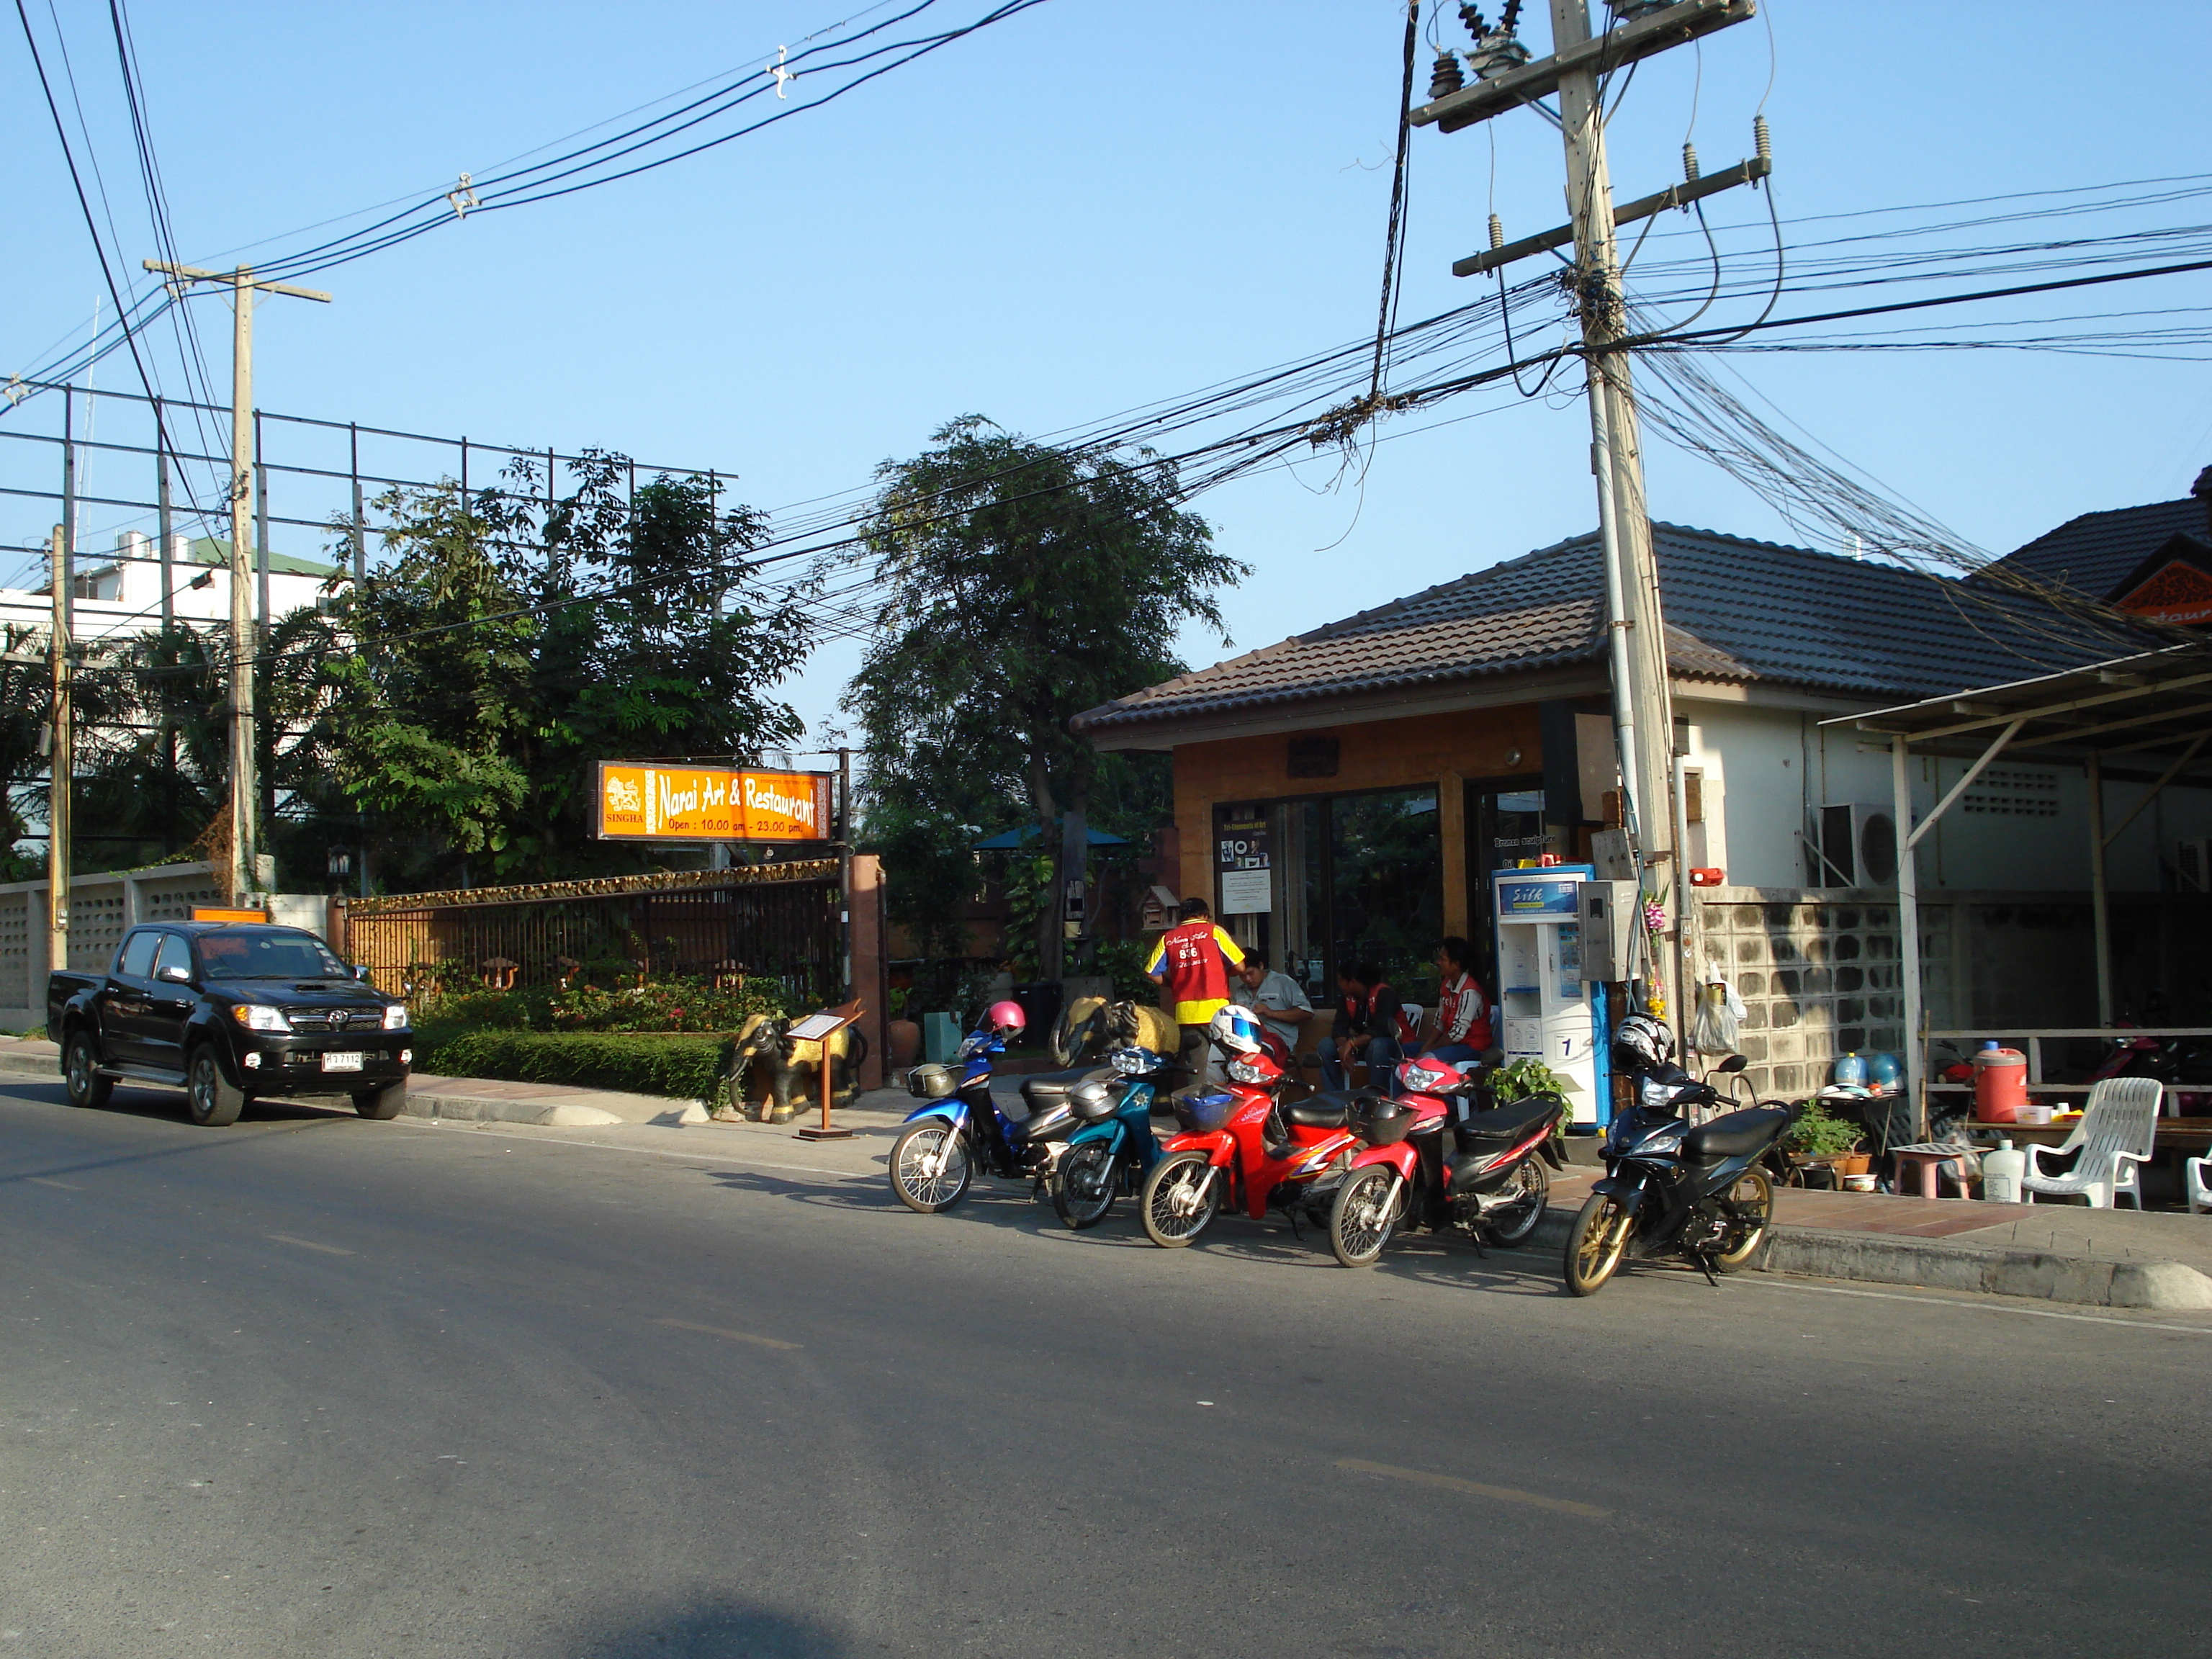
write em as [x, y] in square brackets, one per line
[1114, 1151]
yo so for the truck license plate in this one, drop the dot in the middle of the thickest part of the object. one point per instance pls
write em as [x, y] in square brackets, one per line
[342, 1062]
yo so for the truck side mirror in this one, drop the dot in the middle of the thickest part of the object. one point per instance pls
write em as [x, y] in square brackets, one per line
[361, 971]
[175, 974]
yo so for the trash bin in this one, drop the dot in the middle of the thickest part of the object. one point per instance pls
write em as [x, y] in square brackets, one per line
[1040, 1004]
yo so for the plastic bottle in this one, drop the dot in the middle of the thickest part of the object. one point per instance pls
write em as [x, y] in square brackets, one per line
[1851, 1071]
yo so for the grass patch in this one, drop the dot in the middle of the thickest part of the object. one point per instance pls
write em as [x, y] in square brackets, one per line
[683, 1066]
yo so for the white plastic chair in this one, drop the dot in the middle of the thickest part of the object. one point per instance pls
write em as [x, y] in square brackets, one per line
[2196, 1176]
[2114, 1137]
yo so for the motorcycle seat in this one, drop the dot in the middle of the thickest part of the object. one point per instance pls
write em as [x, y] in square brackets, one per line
[1044, 1089]
[1739, 1134]
[1325, 1111]
[1483, 1131]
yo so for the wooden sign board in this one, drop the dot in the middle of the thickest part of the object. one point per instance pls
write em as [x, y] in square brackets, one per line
[641, 802]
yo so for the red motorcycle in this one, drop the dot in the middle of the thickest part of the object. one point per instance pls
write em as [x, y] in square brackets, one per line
[1491, 1188]
[1245, 1146]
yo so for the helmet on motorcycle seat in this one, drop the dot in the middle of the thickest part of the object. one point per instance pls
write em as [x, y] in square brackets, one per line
[1640, 1043]
[1235, 1031]
[1005, 1018]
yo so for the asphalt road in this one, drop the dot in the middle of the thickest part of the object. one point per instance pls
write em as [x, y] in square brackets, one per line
[316, 1386]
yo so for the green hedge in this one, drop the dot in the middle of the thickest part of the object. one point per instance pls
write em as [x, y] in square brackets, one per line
[682, 1067]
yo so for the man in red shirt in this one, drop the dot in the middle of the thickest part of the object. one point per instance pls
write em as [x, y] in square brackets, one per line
[1463, 1011]
[1193, 960]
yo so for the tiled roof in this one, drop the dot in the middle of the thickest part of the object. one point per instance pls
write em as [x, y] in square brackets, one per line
[2093, 553]
[1736, 610]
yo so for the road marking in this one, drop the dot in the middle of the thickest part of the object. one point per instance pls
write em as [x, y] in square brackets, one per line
[40, 1180]
[309, 1244]
[1453, 1483]
[735, 1336]
[1927, 1299]
[655, 1152]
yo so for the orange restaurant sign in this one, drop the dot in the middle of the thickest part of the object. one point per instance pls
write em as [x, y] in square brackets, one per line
[711, 803]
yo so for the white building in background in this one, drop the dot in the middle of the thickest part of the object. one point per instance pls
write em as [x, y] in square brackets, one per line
[121, 592]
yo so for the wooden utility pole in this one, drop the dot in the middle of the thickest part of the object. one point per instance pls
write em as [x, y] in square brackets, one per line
[59, 757]
[244, 791]
[1643, 723]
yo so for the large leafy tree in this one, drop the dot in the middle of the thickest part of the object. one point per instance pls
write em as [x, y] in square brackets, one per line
[1022, 584]
[512, 638]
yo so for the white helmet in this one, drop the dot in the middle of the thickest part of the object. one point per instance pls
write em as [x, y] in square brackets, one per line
[1235, 1031]
[1640, 1043]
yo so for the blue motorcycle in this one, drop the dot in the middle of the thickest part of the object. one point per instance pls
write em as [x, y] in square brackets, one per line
[1112, 1151]
[960, 1129]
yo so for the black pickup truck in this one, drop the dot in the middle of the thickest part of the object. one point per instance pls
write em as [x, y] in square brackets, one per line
[229, 1011]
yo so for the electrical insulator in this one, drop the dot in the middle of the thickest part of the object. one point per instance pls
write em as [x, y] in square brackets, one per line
[1445, 78]
[1762, 141]
[1496, 232]
[1689, 161]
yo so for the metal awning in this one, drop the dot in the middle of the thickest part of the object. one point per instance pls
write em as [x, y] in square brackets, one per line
[2154, 706]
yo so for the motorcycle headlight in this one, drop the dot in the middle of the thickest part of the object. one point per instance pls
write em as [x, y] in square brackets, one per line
[395, 1017]
[1243, 1070]
[1131, 1062]
[260, 1017]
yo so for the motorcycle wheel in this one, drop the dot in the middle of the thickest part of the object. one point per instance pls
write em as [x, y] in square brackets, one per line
[930, 1166]
[1516, 1221]
[1173, 1211]
[1752, 1195]
[1084, 1185]
[1596, 1245]
[1364, 1216]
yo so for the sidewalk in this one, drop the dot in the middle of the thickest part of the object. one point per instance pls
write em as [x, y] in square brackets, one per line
[2051, 1252]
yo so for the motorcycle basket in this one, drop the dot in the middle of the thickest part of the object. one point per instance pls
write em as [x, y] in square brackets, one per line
[931, 1082]
[1200, 1112]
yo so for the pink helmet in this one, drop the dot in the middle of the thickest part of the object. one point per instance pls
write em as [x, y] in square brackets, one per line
[1005, 1017]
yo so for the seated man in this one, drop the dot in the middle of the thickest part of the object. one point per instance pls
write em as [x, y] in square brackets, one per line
[1279, 1001]
[1462, 1027]
[1365, 1028]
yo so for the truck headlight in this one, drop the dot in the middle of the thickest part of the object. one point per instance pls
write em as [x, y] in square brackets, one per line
[260, 1017]
[395, 1017]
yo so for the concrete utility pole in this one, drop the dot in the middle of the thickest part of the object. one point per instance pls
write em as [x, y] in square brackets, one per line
[243, 815]
[60, 758]
[1644, 724]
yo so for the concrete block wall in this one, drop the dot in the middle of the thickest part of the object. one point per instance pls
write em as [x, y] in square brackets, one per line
[1817, 971]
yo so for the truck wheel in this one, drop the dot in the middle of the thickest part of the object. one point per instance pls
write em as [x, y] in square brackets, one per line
[382, 1104]
[210, 1098]
[80, 1073]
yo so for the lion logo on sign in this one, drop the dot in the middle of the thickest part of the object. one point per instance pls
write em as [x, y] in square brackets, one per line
[623, 796]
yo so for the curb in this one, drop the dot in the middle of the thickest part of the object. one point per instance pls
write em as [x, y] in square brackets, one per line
[1887, 1259]
[475, 1108]
[1881, 1259]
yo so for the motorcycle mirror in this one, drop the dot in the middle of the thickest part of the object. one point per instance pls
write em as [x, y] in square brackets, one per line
[1732, 1063]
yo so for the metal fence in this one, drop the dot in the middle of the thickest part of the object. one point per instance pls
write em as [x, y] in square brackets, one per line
[103, 463]
[778, 921]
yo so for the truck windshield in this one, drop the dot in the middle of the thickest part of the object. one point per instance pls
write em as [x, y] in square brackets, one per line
[267, 955]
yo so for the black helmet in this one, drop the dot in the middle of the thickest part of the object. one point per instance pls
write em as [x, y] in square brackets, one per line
[1640, 1043]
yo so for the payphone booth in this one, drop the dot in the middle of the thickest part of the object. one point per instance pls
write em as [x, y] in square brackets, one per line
[1547, 1009]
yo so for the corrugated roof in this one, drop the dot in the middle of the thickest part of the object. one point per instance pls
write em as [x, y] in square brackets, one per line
[2092, 554]
[1736, 610]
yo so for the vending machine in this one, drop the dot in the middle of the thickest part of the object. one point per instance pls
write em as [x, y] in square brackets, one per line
[1547, 1009]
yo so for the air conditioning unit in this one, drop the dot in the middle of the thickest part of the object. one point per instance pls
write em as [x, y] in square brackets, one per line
[2192, 862]
[1858, 846]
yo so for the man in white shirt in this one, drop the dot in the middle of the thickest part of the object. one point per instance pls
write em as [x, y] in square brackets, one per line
[1278, 1000]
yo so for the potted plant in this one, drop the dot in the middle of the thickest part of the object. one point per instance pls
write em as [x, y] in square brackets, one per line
[1820, 1138]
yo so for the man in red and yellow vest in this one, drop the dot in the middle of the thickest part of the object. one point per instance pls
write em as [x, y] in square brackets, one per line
[1193, 960]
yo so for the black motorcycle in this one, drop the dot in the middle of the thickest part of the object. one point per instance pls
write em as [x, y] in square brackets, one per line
[1697, 1193]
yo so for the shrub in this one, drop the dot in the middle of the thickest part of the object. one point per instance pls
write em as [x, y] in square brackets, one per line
[683, 1067]
[1819, 1134]
[678, 1005]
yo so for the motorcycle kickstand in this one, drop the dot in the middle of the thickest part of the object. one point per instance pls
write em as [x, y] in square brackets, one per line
[1705, 1266]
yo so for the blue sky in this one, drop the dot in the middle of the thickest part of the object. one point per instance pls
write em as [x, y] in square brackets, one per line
[1089, 207]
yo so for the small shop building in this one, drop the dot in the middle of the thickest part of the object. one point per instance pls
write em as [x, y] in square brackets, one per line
[1347, 794]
